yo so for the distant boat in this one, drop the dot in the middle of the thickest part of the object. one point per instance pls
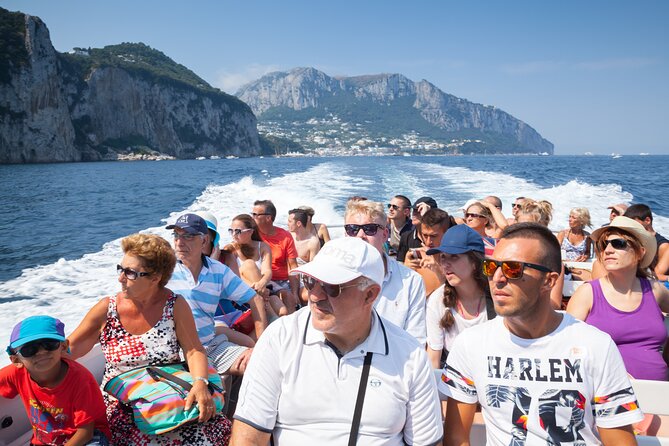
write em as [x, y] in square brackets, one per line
[406, 154]
[616, 155]
[214, 157]
[644, 153]
[199, 158]
[544, 154]
[588, 154]
[231, 157]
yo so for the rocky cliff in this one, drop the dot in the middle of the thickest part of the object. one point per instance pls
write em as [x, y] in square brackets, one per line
[393, 104]
[96, 103]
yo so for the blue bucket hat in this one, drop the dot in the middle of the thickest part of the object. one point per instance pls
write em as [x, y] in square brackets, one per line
[191, 223]
[33, 328]
[458, 240]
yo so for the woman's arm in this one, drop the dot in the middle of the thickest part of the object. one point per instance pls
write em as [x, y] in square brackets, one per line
[266, 266]
[661, 296]
[435, 357]
[500, 219]
[580, 303]
[87, 334]
[561, 235]
[196, 359]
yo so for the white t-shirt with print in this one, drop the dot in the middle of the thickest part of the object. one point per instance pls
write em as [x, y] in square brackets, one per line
[533, 391]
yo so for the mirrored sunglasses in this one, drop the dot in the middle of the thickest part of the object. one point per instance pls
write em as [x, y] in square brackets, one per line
[511, 269]
[31, 348]
[368, 229]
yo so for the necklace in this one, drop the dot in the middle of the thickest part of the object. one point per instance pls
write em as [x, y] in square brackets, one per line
[478, 307]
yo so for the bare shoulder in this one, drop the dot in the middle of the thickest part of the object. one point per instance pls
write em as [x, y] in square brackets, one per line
[580, 302]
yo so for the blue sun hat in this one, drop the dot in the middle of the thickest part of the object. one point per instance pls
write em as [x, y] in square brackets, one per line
[33, 328]
[211, 222]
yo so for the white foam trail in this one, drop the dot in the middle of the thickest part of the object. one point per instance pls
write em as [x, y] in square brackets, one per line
[67, 289]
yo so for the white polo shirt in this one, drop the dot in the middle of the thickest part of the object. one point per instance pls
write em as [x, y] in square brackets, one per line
[402, 300]
[296, 387]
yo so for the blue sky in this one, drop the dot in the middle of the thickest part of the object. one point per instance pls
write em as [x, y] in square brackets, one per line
[587, 75]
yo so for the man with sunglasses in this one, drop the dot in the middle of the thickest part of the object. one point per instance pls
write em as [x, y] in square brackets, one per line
[204, 282]
[284, 253]
[540, 376]
[402, 300]
[314, 370]
[399, 220]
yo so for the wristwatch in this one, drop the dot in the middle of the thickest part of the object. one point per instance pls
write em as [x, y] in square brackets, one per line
[199, 378]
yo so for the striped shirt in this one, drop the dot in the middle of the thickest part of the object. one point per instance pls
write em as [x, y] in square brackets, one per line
[216, 281]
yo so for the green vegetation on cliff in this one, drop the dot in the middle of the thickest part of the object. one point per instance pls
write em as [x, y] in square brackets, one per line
[13, 51]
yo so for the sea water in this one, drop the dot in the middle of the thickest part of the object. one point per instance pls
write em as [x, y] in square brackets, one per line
[62, 223]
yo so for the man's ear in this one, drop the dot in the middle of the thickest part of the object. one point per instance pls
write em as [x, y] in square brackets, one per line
[551, 279]
[371, 293]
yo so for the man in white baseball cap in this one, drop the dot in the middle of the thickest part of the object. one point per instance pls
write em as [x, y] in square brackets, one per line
[312, 372]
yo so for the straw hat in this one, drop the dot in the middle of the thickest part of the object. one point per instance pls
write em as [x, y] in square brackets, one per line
[633, 228]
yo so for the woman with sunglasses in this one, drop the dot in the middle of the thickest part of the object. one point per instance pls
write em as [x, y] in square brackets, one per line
[464, 299]
[254, 259]
[147, 324]
[624, 303]
[479, 218]
[575, 241]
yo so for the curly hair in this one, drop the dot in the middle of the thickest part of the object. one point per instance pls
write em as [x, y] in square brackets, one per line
[155, 252]
[450, 298]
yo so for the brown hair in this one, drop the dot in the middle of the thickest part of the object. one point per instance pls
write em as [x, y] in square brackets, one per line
[249, 223]
[155, 253]
[451, 294]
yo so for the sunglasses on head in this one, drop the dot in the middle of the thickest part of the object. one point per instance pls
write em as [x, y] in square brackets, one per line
[511, 269]
[368, 229]
[131, 274]
[616, 243]
[472, 215]
[330, 290]
[31, 348]
[237, 231]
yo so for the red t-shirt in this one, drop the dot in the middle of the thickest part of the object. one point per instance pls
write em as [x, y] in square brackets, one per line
[283, 248]
[56, 413]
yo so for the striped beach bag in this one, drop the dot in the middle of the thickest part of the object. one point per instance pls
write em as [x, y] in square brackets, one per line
[157, 395]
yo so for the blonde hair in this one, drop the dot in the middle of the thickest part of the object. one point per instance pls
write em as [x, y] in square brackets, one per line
[155, 253]
[539, 211]
[484, 211]
[372, 209]
[582, 216]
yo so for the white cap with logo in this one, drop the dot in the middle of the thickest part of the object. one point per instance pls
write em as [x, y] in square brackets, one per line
[344, 259]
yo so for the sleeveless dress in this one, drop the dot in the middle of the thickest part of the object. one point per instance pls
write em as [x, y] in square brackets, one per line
[124, 351]
[572, 251]
[639, 334]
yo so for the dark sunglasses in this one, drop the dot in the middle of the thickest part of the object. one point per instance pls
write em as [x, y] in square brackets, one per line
[368, 229]
[237, 231]
[131, 274]
[329, 289]
[258, 214]
[394, 207]
[471, 215]
[616, 243]
[510, 268]
[515, 205]
[31, 348]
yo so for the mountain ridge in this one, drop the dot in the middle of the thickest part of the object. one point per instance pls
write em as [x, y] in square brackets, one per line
[440, 116]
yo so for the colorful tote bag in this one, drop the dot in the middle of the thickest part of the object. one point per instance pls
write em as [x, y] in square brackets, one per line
[157, 395]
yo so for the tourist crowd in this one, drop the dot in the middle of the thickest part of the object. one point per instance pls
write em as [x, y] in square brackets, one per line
[322, 341]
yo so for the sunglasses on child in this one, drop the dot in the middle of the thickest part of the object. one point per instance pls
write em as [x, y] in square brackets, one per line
[616, 243]
[130, 274]
[368, 229]
[330, 290]
[511, 269]
[31, 348]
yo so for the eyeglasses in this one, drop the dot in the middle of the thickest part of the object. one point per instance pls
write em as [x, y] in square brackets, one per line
[510, 268]
[394, 207]
[185, 236]
[368, 229]
[131, 274]
[616, 243]
[254, 214]
[237, 231]
[331, 290]
[470, 215]
[31, 348]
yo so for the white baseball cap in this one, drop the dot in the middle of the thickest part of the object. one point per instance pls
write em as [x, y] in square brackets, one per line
[344, 259]
[469, 202]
